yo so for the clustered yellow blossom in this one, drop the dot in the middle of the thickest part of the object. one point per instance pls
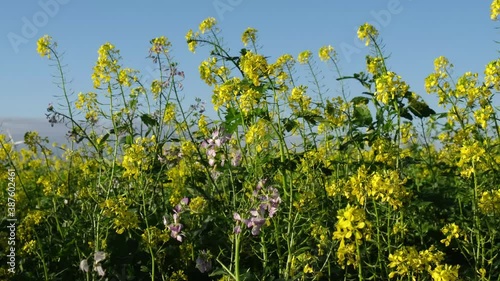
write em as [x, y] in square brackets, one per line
[169, 114]
[452, 231]
[389, 87]
[137, 156]
[326, 52]
[384, 186]
[492, 74]
[367, 33]
[160, 45]
[191, 40]
[198, 205]
[407, 262]
[489, 203]
[203, 125]
[89, 105]
[435, 82]
[106, 65]
[495, 9]
[471, 157]
[303, 57]
[351, 229]
[223, 93]
[483, 115]
[298, 99]
[321, 234]
[44, 46]
[117, 209]
[254, 66]
[154, 237]
[249, 35]
[374, 65]
[255, 132]
[207, 24]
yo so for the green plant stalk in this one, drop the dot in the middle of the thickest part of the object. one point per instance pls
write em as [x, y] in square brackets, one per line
[41, 255]
[360, 267]
[237, 256]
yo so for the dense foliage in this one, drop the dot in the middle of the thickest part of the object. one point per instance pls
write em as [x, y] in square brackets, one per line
[287, 182]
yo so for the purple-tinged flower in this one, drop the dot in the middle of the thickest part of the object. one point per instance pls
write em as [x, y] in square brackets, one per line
[237, 229]
[236, 158]
[100, 270]
[178, 207]
[236, 216]
[84, 265]
[175, 231]
[203, 262]
[255, 222]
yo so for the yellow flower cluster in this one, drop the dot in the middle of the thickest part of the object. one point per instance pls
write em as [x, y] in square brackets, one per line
[198, 205]
[435, 82]
[374, 65]
[117, 209]
[303, 57]
[389, 87]
[169, 114]
[207, 71]
[160, 45]
[254, 66]
[255, 132]
[483, 115]
[154, 237]
[207, 24]
[136, 159]
[452, 231]
[489, 203]
[351, 229]
[203, 125]
[191, 40]
[407, 261]
[298, 99]
[44, 46]
[321, 235]
[223, 93]
[471, 157]
[88, 104]
[385, 186]
[492, 74]
[445, 272]
[106, 65]
[495, 9]
[367, 33]
[249, 35]
[327, 52]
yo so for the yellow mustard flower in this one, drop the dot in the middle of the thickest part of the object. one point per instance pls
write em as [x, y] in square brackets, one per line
[191, 40]
[326, 52]
[495, 9]
[367, 33]
[304, 57]
[207, 24]
[249, 35]
[44, 46]
[444, 272]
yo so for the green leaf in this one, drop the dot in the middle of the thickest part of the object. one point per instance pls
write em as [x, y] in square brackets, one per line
[360, 100]
[362, 115]
[146, 119]
[420, 108]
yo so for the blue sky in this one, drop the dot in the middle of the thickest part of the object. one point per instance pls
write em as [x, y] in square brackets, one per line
[414, 33]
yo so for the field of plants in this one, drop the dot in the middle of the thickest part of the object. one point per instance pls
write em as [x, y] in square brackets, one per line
[287, 182]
